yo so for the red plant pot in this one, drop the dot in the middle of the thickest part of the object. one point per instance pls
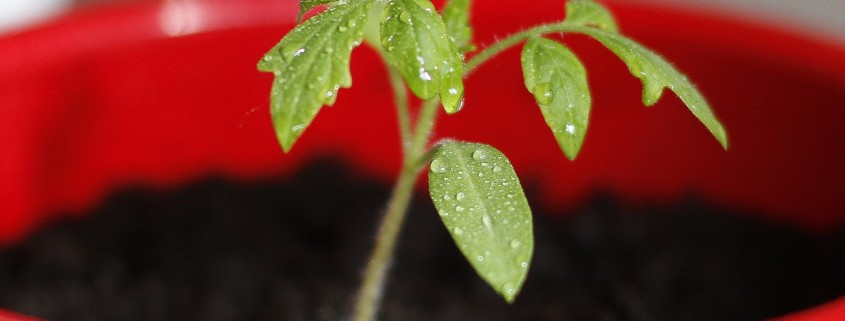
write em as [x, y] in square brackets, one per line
[163, 93]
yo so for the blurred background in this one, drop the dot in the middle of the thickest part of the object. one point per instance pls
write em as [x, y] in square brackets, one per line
[821, 18]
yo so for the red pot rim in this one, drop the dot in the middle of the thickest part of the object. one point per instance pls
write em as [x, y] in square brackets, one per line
[38, 185]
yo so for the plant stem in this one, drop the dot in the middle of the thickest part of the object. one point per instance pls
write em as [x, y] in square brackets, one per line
[515, 39]
[403, 114]
[414, 143]
[370, 295]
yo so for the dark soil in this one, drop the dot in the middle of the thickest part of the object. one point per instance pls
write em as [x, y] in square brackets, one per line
[293, 250]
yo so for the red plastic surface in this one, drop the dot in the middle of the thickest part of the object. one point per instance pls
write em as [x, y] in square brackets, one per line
[9, 316]
[159, 94]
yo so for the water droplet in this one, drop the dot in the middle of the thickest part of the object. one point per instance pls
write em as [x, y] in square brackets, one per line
[460, 105]
[510, 195]
[459, 208]
[342, 28]
[497, 169]
[570, 128]
[406, 17]
[509, 289]
[438, 166]
[515, 244]
[460, 196]
[524, 265]
[297, 128]
[479, 154]
[447, 197]
[268, 58]
[488, 253]
[444, 213]
[458, 231]
[543, 93]
[424, 75]
[479, 258]
[487, 221]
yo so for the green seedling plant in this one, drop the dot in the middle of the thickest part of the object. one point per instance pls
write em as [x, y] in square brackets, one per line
[473, 185]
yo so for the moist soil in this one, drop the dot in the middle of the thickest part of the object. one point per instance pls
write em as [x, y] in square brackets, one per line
[294, 248]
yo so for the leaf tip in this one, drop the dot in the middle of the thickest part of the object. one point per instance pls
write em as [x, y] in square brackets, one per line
[722, 137]
[286, 143]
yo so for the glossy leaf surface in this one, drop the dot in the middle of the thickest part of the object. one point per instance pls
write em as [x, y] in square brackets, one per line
[656, 74]
[311, 63]
[456, 17]
[481, 203]
[306, 5]
[558, 81]
[415, 41]
[588, 13]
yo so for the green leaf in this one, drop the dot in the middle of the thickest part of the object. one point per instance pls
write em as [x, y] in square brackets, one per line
[414, 40]
[305, 5]
[456, 17]
[656, 74]
[558, 81]
[588, 13]
[481, 203]
[311, 63]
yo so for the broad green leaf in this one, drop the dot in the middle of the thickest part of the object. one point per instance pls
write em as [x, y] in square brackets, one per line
[588, 13]
[559, 83]
[311, 63]
[656, 74]
[414, 40]
[481, 203]
[456, 17]
[305, 5]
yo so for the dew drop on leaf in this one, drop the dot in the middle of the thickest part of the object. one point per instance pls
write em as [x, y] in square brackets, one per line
[460, 196]
[438, 166]
[543, 93]
[406, 17]
[487, 221]
[479, 155]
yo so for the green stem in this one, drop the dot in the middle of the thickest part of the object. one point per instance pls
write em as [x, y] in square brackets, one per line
[375, 274]
[400, 99]
[515, 39]
[370, 294]
[415, 143]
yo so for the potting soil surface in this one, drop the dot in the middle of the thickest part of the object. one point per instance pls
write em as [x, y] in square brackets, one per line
[293, 249]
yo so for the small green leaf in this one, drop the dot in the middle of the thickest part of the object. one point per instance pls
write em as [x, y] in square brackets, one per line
[481, 203]
[305, 5]
[311, 63]
[588, 13]
[414, 40]
[656, 74]
[456, 17]
[558, 81]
